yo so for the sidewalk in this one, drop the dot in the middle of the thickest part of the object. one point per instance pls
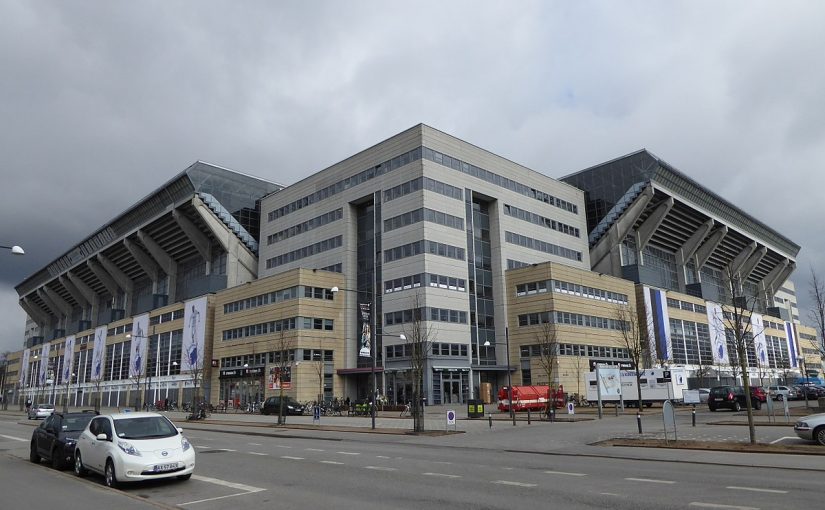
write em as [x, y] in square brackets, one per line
[567, 438]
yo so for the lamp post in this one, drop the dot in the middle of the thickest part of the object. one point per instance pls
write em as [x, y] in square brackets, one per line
[509, 375]
[801, 360]
[373, 346]
[16, 250]
[66, 401]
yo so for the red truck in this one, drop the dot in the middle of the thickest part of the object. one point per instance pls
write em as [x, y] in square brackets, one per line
[533, 398]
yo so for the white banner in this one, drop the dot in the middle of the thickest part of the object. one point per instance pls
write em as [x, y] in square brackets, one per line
[68, 360]
[658, 324]
[44, 365]
[760, 344]
[793, 345]
[24, 368]
[194, 332]
[99, 350]
[718, 340]
[140, 345]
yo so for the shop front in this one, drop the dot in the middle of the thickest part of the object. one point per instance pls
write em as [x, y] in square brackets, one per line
[242, 387]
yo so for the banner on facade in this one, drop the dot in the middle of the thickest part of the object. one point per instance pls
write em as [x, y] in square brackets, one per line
[140, 346]
[24, 368]
[658, 324]
[98, 351]
[366, 336]
[793, 345]
[194, 330]
[760, 344]
[68, 360]
[718, 339]
[280, 377]
[44, 365]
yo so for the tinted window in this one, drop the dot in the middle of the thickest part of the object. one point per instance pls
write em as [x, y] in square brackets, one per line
[76, 423]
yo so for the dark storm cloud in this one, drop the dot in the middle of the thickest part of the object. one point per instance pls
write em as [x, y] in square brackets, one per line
[105, 101]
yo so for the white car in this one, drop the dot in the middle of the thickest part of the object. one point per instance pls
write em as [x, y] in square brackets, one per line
[130, 447]
[811, 428]
[38, 411]
[781, 393]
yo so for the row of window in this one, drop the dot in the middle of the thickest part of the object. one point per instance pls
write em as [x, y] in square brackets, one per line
[498, 180]
[424, 314]
[335, 268]
[258, 359]
[298, 291]
[423, 214]
[685, 305]
[345, 184]
[432, 280]
[419, 247]
[306, 251]
[543, 246]
[565, 349]
[306, 226]
[573, 319]
[515, 264]
[423, 183]
[526, 289]
[166, 317]
[438, 349]
[119, 330]
[537, 219]
[279, 325]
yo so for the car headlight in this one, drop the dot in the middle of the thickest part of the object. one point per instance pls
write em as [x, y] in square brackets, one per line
[128, 448]
[70, 441]
[290, 408]
[184, 443]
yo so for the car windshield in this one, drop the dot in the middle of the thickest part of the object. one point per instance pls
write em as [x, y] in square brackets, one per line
[45, 406]
[76, 423]
[144, 427]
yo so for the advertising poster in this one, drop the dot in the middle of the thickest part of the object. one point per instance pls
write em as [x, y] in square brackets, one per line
[760, 344]
[194, 330]
[793, 346]
[68, 360]
[140, 346]
[44, 365]
[280, 377]
[366, 337]
[98, 351]
[610, 381]
[658, 323]
[24, 368]
[718, 340]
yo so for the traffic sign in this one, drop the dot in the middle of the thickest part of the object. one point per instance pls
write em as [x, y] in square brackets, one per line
[450, 417]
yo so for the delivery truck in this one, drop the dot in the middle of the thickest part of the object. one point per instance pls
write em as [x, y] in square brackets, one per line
[657, 385]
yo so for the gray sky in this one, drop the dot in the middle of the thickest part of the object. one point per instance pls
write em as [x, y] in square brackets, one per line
[103, 101]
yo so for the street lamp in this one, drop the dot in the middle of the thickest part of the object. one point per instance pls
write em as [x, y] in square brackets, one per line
[16, 250]
[801, 360]
[66, 401]
[373, 346]
[509, 376]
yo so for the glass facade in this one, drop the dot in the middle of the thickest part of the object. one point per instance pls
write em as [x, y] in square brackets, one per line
[480, 270]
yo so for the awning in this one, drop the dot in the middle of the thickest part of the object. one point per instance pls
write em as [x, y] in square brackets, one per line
[359, 370]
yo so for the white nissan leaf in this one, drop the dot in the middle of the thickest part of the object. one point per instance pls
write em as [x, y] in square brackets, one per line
[130, 447]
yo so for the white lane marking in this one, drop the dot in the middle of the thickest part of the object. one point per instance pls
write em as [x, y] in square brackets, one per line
[200, 446]
[517, 484]
[508, 468]
[756, 489]
[258, 453]
[289, 457]
[226, 449]
[609, 494]
[441, 462]
[382, 457]
[14, 438]
[282, 446]
[254, 444]
[565, 473]
[313, 449]
[445, 475]
[649, 480]
[381, 468]
[716, 505]
[332, 462]
[231, 485]
[348, 453]
[782, 439]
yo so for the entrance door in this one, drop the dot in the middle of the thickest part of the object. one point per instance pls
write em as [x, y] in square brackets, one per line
[451, 386]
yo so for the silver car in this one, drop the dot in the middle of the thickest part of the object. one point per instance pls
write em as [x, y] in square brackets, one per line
[38, 411]
[811, 428]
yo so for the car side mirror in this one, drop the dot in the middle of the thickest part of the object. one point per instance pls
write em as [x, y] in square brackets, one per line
[102, 437]
[180, 430]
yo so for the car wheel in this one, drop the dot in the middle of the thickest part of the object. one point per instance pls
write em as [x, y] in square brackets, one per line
[33, 455]
[57, 460]
[79, 470]
[819, 435]
[185, 477]
[757, 405]
[109, 476]
[712, 409]
[737, 406]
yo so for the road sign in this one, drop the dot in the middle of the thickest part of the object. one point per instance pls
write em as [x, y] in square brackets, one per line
[571, 408]
[450, 417]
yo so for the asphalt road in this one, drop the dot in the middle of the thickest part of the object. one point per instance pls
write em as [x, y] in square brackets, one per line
[363, 471]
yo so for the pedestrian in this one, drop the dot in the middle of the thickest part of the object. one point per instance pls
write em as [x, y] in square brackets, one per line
[28, 404]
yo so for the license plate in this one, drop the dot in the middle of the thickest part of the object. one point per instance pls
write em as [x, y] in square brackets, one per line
[718, 399]
[165, 467]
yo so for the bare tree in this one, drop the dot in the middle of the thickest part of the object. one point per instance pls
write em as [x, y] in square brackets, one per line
[283, 368]
[817, 312]
[578, 364]
[635, 338]
[739, 330]
[547, 340]
[417, 336]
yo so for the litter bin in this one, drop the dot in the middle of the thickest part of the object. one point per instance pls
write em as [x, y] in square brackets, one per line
[475, 408]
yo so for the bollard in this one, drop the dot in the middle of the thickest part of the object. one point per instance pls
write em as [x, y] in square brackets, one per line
[528, 417]
[552, 415]
[490, 419]
[617, 409]
[693, 417]
[639, 421]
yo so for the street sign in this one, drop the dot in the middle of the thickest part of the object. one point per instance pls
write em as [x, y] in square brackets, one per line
[666, 376]
[450, 417]
[571, 408]
[691, 397]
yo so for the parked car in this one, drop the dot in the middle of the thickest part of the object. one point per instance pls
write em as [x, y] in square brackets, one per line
[809, 391]
[782, 392]
[731, 397]
[129, 447]
[37, 411]
[811, 428]
[55, 438]
[272, 405]
[759, 393]
[704, 393]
